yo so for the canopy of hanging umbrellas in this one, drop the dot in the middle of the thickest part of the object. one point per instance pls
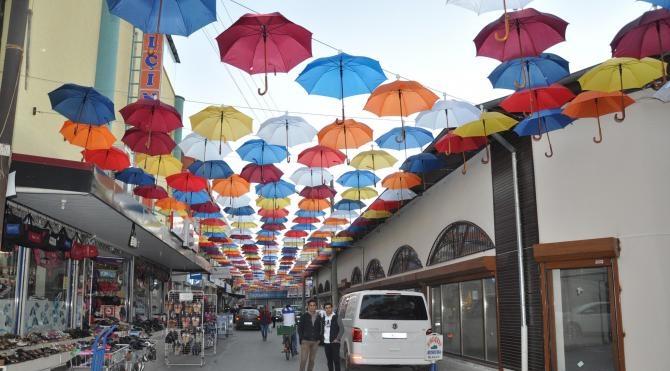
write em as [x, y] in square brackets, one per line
[243, 220]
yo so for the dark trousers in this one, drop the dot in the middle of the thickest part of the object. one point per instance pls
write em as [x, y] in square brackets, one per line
[333, 356]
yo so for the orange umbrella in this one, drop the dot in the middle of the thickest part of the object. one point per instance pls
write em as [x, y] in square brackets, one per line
[344, 135]
[335, 221]
[87, 136]
[170, 204]
[322, 234]
[401, 180]
[595, 104]
[311, 204]
[233, 186]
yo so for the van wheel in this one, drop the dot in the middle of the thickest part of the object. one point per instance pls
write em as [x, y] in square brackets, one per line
[348, 366]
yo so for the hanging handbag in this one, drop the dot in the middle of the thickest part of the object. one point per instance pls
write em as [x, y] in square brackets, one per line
[77, 250]
[13, 231]
[36, 237]
[60, 241]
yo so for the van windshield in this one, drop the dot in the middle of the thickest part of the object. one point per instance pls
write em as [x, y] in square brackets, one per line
[393, 307]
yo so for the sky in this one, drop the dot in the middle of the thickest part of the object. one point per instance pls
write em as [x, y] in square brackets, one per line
[423, 40]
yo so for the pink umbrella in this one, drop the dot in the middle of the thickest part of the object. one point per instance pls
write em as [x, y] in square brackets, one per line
[151, 143]
[261, 173]
[531, 33]
[262, 43]
[151, 115]
[150, 191]
[321, 156]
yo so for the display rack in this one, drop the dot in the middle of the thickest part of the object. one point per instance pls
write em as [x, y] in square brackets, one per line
[210, 324]
[44, 363]
[185, 331]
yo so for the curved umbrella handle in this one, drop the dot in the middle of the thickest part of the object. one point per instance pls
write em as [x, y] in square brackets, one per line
[266, 86]
[539, 129]
[621, 118]
[524, 80]
[505, 36]
[600, 133]
[551, 148]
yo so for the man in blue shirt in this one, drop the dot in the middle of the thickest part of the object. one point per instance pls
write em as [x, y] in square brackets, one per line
[289, 320]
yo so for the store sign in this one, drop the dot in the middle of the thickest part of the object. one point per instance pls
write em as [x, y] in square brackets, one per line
[152, 66]
[434, 347]
[185, 296]
[220, 273]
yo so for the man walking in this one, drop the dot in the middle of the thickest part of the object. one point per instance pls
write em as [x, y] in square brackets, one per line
[331, 338]
[274, 317]
[310, 333]
[265, 322]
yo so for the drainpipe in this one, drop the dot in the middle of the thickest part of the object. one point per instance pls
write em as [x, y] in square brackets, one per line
[519, 242]
[108, 47]
[179, 106]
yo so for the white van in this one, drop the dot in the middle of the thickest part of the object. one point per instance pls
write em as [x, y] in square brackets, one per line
[384, 327]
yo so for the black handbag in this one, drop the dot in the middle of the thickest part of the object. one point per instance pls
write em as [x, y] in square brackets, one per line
[13, 231]
[59, 241]
[36, 237]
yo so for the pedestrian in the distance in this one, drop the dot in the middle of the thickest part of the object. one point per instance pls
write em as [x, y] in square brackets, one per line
[332, 333]
[310, 333]
[265, 322]
[274, 317]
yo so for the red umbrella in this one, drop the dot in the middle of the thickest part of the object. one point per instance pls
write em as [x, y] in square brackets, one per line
[538, 99]
[305, 220]
[151, 115]
[273, 227]
[646, 36]
[318, 192]
[321, 156]
[452, 143]
[152, 143]
[150, 191]
[262, 43]
[277, 213]
[240, 236]
[296, 233]
[207, 207]
[187, 182]
[107, 159]
[532, 33]
[381, 205]
[261, 173]
[213, 222]
[316, 244]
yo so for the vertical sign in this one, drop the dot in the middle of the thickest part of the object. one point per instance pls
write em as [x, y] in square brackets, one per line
[152, 66]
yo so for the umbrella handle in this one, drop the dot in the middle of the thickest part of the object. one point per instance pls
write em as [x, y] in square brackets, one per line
[505, 36]
[621, 118]
[263, 92]
[600, 133]
[524, 81]
[551, 148]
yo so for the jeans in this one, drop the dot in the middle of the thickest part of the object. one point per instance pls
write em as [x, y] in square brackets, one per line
[308, 351]
[294, 342]
[333, 356]
[264, 330]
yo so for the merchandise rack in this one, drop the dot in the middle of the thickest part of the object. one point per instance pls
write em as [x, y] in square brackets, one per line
[185, 331]
[210, 324]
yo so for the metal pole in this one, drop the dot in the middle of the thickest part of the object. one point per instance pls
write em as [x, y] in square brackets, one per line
[9, 90]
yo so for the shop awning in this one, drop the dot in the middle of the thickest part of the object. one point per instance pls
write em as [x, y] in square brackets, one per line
[86, 198]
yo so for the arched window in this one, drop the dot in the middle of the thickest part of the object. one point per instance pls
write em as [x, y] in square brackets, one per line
[356, 276]
[458, 240]
[374, 271]
[320, 289]
[326, 287]
[404, 260]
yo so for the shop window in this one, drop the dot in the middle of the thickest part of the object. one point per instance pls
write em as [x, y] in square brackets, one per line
[7, 289]
[109, 290]
[374, 271]
[356, 276]
[404, 260]
[326, 287]
[45, 308]
[458, 240]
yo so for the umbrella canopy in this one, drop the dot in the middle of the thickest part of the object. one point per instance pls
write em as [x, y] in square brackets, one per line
[358, 178]
[170, 204]
[273, 213]
[107, 159]
[163, 165]
[396, 195]
[169, 17]
[595, 104]
[483, 6]
[151, 115]
[199, 147]
[530, 72]
[262, 43]
[244, 210]
[205, 207]
[400, 98]
[321, 156]
[452, 143]
[311, 176]
[305, 220]
[296, 233]
[87, 136]
[542, 122]
[233, 186]
[488, 123]
[222, 123]
[191, 197]
[349, 205]
[150, 191]
[277, 189]
[286, 131]
[359, 193]
[135, 176]
[244, 225]
[376, 214]
[646, 36]
[447, 114]
[335, 221]
[404, 138]
[213, 169]
[262, 153]
[318, 192]
[151, 143]
[537, 99]
[261, 173]
[527, 33]
[422, 163]
[345, 134]
[373, 160]
[186, 182]
[312, 204]
[348, 214]
[82, 104]
[661, 3]
[310, 213]
[380, 204]
[274, 220]
[273, 203]
[401, 180]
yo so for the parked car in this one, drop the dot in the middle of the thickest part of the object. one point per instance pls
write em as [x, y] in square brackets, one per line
[248, 319]
[384, 328]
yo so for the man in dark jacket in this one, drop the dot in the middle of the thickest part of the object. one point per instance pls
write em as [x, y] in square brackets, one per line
[331, 338]
[310, 334]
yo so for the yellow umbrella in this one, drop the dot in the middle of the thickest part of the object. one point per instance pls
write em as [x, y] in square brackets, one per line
[341, 239]
[244, 225]
[221, 123]
[272, 203]
[373, 160]
[164, 165]
[376, 214]
[619, 74]
[359, 193]
[488, 123]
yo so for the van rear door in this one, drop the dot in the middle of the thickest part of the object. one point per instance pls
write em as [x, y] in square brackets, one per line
[394, 325]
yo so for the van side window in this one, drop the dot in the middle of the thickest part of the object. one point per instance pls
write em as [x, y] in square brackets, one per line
[351, 307]
[342, 308]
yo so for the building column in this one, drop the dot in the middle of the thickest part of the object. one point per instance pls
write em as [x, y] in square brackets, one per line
[334, 286]
[179, 106]
[108, 47]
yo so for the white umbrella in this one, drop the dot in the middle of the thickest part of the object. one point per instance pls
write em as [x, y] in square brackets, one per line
[294, 240]
[347, 214]
[331, 228]
[397, 195]
[203, 149]
[311, 176]
[448, 113]
[225, 201]
[244, 242]
[483, 6]
[286, 131]
[243, 218]
[243, 231]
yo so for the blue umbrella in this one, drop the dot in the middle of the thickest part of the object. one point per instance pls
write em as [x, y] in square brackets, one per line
[358, 179]
[274, 220]
[82, 104]
[169, 17]
[214, 169]
[542, 122]
[208, 215]
[340, 244]
[356, 228]
[661, 3]
[191, 198]
[422, 163]
[215, 234]
[309, 214]
[317, 239]
[268, 233]
[540, 71]
[304, 227]
[133, 175]
[349, 205]
[262, 153]
[341, 76]
[278, 189]
[406, 137]
[244, 210]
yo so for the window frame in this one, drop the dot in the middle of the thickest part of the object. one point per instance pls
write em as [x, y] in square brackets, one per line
[443, 241]
[356, 273]
[402, 257]
[376, 264]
